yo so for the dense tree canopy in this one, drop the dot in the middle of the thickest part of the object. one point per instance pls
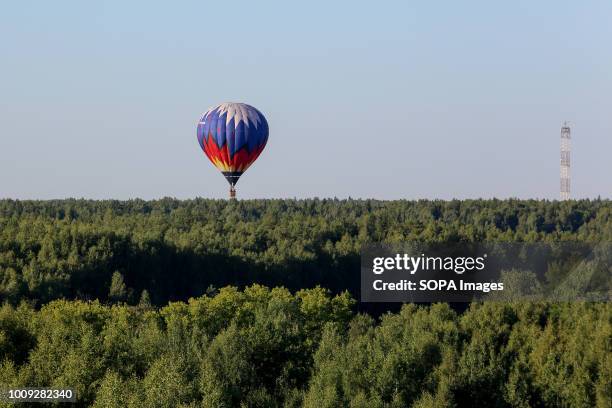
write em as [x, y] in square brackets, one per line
[115, 250]
[269, 348]
[161, 304]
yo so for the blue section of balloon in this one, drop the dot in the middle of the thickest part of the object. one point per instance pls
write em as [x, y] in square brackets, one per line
[246, 127]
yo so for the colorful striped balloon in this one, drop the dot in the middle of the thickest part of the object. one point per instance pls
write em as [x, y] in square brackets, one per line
[232, 135]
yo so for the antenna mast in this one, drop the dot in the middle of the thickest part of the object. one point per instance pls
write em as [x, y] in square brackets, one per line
[565, 161]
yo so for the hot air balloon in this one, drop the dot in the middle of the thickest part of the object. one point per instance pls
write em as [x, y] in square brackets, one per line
[232, 135]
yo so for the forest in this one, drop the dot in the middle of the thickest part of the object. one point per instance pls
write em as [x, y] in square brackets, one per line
[261, 347]
[254, 303]
[169, 250]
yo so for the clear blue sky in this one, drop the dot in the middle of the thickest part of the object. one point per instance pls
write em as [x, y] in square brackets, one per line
[429, 99]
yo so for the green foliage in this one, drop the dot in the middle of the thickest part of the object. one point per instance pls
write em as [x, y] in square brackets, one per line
[74, 249]
[262, 347]
[118, 290]
[80, 281]
[494, 354]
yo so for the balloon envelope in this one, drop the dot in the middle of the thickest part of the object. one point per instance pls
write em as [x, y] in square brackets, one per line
[232, 135]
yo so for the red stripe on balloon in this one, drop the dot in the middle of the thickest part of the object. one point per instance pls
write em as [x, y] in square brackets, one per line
[220, 157]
